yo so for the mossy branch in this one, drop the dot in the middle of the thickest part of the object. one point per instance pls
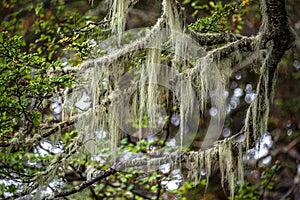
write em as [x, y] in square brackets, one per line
[209, 39]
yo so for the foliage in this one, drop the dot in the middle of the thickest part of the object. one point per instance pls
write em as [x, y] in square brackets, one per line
[38, 40]
[222, 17]
[249, 191]
[24, 86]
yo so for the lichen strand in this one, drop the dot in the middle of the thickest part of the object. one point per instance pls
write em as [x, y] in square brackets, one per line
[258, 113]
[240, 162]
[175, 25]
[118, 15]
[275, 35]
[210, 77]
[211, 74]
[172, 11]
[185, 52]
[153, 98]
[227, 154]
[226, 163]
[209, 160]
[194, 166]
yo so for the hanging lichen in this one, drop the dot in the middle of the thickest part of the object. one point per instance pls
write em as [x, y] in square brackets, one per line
[197, 76]
[120, 94]
[118, 15]
[258, 112]
[211, 76]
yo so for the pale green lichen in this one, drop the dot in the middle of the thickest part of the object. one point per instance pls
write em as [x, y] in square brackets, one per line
[209, 74]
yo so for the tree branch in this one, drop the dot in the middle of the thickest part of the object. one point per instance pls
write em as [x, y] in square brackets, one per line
[114, 55]
[18, 142]
[209, 39]
[102, 174]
